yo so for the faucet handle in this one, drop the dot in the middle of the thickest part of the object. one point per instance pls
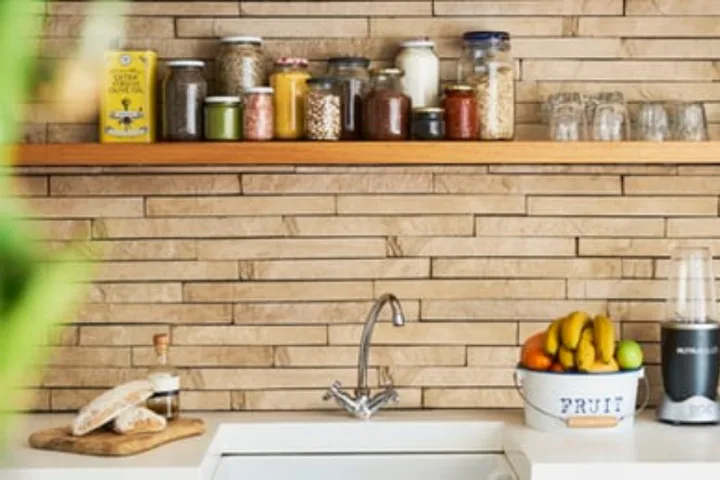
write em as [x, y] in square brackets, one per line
[333, 391]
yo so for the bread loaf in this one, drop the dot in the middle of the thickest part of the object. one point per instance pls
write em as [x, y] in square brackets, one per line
[139, 420]
[110, 405]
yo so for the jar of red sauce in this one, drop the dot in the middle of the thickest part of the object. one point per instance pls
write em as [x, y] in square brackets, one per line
[461, 122]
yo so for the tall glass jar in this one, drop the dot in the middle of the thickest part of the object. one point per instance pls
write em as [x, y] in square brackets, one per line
[258, 114]
[183, 93]
[386, 110]
[323, 112]
[487, 66]
[460, 113]
[421, 65]
[240, 64]
[288, 80]
[353, 71]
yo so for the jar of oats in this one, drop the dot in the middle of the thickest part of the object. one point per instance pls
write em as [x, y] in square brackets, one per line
[258, 114]
[239, 65]
[487, 66]
[323, 112]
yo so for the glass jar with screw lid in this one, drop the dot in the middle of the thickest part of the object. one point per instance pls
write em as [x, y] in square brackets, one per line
[222, 118]
[323, 112]
[428, 123]
[183, 93]
[239, 65]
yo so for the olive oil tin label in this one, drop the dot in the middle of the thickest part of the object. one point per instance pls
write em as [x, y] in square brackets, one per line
[127, 104]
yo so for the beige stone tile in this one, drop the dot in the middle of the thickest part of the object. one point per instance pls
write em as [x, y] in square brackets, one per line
[670, 7]
[505, 309]
[94, 185]
[619, 70]
[379, 356]
[641, 311]
[214, 356]
[34, 133]
[63, 335]
[712, 110]
[682, 185]
[120, 335]
[586, 169]
[190, 227]
[429, 204]
[59, 229]
[63, 400]
[90, 377]
[250, 335]
[290, 248]
[276, 291]
[272, 27]
[35, 400]
[704, 26]
[637, 268]
[154, 313]
[135, 293]
[472, 289]
[651, 352]
[416, 225]
[663, 48]
[145, 8]
[320, 49]
[662, 267]
[29, 186]
[429, 334]
[380, 168]
[313, 312]
[337, 9]
[493, 356]
[531, 268]
[182, 270]
[471, 398]
[482, 247]
[623, 206]
[72, 26]
[451, 376]
[637, 247]
[89, 357]
[349, 269]
[617, 289]
[527, 184]
[85, 207]
[164, 249]
[568, 227]
[512, 7]
[231, 206]
[262, 378]
[454, 27]
[337, 183]
[204, 401]
[72, 132]
[641, 332]
[167, 48]
[308, 400]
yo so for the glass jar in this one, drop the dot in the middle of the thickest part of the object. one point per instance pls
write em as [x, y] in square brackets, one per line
[460, 113]
[428, 123]
[258, 114]
[222, 118]
[487, 66]
[353, 71]
[239, 65]
[421, 65]
[183, 93]
[323, 112]
[288, 81]
[386, 110]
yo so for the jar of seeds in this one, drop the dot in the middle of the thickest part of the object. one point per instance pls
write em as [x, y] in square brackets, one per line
[183, 93]
[258, 114]
[323, 118]
[239, 65]
[487, 66]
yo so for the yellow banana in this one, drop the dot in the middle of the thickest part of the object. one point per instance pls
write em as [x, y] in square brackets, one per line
[604, 338]
[572, 328]
[566, 358]
[585, 355]
[552, 338]
[588, 335]
[601, 367]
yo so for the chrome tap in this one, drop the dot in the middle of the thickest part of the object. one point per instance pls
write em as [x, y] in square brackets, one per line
[363, 405]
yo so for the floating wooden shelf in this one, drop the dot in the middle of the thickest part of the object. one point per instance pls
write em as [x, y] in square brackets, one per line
[384, 153]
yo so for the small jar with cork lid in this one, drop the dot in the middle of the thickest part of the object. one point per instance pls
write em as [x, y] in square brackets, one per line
[165, 400]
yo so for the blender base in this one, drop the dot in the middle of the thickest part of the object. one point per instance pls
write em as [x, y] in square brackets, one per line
[695, 410]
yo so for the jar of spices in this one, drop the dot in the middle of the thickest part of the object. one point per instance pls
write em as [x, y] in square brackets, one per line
[421, 65]
[461, 121]
[222, 118]
[487, 66]
[323, 119]
[386, 110]
[239, 65]
[353, 71]
[258, 114]
[183, 93]
[428, 123]
[288, 81]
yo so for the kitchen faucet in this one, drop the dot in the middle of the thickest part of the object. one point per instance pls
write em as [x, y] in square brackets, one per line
[363, 405]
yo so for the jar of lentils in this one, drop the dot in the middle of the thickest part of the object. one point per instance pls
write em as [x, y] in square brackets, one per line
[487, 66]
[258, 114]
[223, 119]
[323, 112]
[288, 81]
[460, 113]
[353, 73]
[183, 93]
[239, 65]
[428, 123]
[386, 110]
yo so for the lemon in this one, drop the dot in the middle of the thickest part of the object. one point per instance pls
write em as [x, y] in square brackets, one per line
[629, 355]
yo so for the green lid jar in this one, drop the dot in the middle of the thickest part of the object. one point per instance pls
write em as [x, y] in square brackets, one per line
[223, 118]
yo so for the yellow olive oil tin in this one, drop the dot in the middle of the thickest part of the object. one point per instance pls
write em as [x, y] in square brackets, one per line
[127, 103]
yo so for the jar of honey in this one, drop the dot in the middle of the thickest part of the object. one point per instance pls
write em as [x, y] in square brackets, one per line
[288, 81]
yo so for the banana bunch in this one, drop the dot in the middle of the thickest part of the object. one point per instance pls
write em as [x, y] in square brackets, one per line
[580, 342]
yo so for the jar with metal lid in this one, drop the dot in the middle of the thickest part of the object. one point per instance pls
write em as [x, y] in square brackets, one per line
[487, 66]
[353, 71]
[258, 114]
[222, 118]
[428, 123]
[460, 113]
[323, 112]
[239, 65]
[386, 110]
[183, 93]
[417, 58]
[288, 81]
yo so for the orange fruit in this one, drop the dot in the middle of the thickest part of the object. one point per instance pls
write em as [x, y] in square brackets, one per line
[532, 353]
[556, 367]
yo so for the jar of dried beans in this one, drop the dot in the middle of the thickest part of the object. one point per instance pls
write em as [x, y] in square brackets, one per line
[183, 93]
[386, 110]
[487, 66]
[353, 73]
[460, 113]
[323, 112]
[239, 65]
[258, 114]
[288, 81]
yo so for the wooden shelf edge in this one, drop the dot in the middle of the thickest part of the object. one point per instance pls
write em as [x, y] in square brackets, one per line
[368, 153]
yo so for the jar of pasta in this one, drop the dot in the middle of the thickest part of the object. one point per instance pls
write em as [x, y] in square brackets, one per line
[239, 65]
[258, 114]
[460, 113]
[288, 80]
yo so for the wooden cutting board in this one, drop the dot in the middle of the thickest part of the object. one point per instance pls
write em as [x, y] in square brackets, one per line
[109, 444]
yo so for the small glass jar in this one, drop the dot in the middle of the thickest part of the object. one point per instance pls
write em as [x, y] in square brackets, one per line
[487, 65]
[183, 93]
[288, 81]
[258, 114]
[239, 65]
[222, 118]
[428, 123]
[353, 71]
[323, 111]
[386, 110]
[417, 58]
[460, 113]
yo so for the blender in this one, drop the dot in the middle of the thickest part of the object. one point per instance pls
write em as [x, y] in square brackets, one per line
[690, 341]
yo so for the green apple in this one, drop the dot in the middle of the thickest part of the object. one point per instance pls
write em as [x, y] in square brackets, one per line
[629, 355]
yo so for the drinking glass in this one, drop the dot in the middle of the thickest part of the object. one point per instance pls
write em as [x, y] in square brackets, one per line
[610, 122]
[566, 115]
[691, 286]
[652, 122]
[689, 122]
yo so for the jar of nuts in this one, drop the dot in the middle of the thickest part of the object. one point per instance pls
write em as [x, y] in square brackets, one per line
[323, 116]
[258, 114]
[487, 66]
[239, 65]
